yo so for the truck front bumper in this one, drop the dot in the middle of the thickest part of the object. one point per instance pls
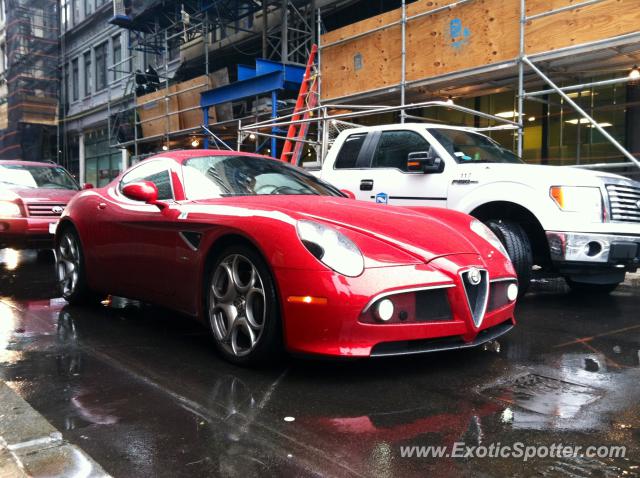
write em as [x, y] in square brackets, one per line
[606, 250]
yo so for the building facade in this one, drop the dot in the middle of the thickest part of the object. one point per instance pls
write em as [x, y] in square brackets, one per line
[29, 84]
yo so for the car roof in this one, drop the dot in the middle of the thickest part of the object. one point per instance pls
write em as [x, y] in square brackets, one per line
[17, 162]
[184, 154]
[410, 126]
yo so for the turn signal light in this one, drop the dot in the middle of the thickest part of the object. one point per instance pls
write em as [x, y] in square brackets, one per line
[306, 299]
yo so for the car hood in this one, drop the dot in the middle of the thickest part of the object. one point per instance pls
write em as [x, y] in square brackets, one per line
[542, 175]
[32, 195]
[420, 234]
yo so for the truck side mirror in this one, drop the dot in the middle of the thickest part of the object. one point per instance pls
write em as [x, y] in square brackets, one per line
[424, 162]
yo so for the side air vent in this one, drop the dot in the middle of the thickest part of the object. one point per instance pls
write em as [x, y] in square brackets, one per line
[192, 239]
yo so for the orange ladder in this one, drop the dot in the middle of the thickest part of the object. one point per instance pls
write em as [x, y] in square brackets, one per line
[307, 99]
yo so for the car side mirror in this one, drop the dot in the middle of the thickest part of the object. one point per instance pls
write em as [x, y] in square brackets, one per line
[87, 186]
[144, 191]
[424, 162]
[348, 193]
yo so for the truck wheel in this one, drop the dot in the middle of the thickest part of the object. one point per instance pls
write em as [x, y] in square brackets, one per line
[517, 244]
[584, 288]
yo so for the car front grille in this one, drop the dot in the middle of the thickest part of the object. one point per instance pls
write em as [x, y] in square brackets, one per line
[624, 200]
[477, 293]
[45, 209]
[498, 294]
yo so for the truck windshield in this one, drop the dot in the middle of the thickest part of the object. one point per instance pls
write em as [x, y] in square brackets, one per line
[45, 177]
[208, 177]
[468, 147]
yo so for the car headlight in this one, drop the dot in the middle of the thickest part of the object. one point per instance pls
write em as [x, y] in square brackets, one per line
[9, 209]
[586, 201]
[487, 234]
[331, 247]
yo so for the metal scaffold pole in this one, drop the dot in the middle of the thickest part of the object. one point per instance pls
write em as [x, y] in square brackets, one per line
[523, 14]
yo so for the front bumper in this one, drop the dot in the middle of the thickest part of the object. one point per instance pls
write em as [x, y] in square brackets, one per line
[340, 326]
[26, 232]
[607, 250]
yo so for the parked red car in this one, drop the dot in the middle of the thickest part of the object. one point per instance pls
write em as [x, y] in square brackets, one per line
[32, 198]
[266, 254]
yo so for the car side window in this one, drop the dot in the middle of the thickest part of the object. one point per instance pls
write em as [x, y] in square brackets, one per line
[394, 148]
[157, 172]
[348, 154]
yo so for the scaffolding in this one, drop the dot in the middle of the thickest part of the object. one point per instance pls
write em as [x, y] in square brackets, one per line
[31, 108]
[157, 29]
[526, 68]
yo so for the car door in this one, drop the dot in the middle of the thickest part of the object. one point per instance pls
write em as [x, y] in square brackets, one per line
[138, 242]
[351, 164]
[387, 179]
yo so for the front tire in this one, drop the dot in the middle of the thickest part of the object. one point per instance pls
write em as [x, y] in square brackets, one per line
[242, 307]
[591, 289]
[70, 269]
[518, 246]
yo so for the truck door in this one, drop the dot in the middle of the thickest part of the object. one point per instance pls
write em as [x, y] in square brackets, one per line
[387, 180]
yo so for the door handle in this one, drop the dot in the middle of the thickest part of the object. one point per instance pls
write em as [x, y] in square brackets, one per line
[366, 185]
[102, 205]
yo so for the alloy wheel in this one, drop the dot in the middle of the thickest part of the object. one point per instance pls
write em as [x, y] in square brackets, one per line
[68, 265]
[237, 306]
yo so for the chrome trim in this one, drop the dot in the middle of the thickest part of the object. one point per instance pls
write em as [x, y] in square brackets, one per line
[403, 291]
[486, 296]
[503, 279]
[187, 242]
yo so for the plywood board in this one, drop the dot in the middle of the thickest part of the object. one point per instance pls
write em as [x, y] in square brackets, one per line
[189, 97]
[595, 22]
[154, 105]
[475, 34]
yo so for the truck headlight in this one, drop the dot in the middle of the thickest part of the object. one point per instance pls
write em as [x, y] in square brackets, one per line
[331, 247]
[487, 234]
[10, 209]
[586, 201]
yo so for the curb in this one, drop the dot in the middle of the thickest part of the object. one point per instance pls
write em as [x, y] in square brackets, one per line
[31, 446]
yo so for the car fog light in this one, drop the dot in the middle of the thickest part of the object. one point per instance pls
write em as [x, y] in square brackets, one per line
[512, 292]
[384, 310]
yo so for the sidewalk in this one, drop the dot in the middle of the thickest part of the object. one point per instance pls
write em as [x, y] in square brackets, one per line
[31, 446]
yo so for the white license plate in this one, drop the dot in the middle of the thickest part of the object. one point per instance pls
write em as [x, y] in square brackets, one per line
[52, 228]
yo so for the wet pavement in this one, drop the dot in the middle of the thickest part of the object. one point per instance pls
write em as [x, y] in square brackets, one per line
[142, 391]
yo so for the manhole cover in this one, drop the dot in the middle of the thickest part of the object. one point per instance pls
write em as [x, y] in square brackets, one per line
[545, 395]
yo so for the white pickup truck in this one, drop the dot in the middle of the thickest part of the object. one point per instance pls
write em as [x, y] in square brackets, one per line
[579, 224]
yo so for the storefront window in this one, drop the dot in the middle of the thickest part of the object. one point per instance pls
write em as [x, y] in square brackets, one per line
[102, 163]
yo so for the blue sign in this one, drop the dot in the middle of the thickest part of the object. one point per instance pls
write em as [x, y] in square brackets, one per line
[382, 198]
[459, 34]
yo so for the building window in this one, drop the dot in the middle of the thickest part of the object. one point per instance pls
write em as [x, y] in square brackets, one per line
[117, 58]
[101, 66]
[75, 11]
[88, 7]
[75, 80]
[87, 73]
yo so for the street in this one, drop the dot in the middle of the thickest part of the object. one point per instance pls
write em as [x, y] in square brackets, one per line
[142, 391]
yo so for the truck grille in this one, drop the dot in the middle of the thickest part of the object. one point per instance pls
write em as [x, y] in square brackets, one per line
[45, 209]
[624, 199]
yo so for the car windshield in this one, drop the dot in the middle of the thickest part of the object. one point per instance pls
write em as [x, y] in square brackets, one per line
[45, 177]
[208, 177]
[468, 147]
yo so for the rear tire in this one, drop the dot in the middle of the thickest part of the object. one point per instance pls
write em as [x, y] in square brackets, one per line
[70, 269]
[242, 307]
[518, 246]
[595, 289]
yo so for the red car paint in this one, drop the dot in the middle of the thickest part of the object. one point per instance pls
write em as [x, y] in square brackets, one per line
[31, 229]
[135, 250]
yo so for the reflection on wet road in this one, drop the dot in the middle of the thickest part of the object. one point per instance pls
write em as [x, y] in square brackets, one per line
[141, 390]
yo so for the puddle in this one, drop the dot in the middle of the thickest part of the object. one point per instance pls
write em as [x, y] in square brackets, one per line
[544, 395]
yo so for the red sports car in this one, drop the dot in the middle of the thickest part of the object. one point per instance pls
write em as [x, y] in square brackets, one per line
[268, 255]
